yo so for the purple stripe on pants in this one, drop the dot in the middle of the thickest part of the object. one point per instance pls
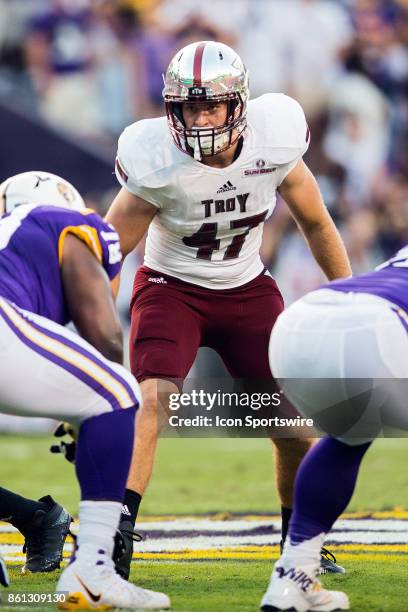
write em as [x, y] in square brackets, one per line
[402, 319]
[79, 374]
[82, 351]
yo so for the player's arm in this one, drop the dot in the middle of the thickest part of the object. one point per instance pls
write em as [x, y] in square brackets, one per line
[90, 299]
[130, 215]
[301, 192]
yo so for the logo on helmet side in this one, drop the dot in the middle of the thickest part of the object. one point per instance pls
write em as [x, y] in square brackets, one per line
[199, 91]
[66, 192]
[41, 179]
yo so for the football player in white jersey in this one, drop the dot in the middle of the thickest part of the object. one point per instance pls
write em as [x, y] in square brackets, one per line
[202, 181]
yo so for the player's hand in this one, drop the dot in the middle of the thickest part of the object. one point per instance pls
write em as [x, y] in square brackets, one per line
[65, 429]
[67, 449]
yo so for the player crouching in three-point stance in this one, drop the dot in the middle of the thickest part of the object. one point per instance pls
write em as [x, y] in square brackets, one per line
[56, 264]
[351, 336]
[202, 182]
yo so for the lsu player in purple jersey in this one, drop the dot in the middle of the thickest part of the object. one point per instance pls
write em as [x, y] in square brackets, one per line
[351, 336]
[56, 266]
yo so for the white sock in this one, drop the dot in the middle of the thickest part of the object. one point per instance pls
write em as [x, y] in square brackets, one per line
[98, 521]
[307, 553]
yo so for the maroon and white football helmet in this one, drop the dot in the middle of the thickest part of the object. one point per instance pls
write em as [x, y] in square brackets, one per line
[206, 71]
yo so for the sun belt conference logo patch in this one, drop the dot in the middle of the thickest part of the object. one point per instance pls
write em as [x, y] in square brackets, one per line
[261, 167]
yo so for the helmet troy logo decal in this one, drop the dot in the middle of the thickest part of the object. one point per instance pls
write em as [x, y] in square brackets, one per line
[197, 91]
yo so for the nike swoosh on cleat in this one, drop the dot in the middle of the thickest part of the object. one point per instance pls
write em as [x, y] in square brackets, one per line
[94, 597]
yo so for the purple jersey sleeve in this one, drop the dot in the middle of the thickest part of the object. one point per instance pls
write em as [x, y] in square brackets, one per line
[100, 237]
[31, 250]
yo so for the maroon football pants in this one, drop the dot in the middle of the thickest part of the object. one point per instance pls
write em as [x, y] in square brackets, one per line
[171, 319]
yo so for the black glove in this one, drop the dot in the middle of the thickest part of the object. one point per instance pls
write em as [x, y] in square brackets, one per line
[65, 448]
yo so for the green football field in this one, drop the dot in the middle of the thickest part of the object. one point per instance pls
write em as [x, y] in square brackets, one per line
[201, 476]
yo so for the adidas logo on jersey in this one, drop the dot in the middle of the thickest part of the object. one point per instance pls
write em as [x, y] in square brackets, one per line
[159, 280]
[228, 186]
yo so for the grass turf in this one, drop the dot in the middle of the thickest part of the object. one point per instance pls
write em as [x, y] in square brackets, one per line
[204, 475]
[231, 586]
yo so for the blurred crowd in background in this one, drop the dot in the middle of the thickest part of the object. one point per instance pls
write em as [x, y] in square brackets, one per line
[90, 67]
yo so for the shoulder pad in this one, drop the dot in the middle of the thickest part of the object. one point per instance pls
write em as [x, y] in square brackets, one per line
[144, 149]
[280, 126]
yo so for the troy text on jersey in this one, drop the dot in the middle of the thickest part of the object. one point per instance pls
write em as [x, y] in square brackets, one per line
[227, 205]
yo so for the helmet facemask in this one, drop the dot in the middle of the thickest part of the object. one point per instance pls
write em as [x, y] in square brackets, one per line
[202, 142]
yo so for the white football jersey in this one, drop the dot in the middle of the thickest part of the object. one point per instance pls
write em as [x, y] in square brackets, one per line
[209, 223]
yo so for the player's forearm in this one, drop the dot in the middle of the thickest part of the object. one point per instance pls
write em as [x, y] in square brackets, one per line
[98, 323]
[302, 195]
[110, 347]
[131, 217]
[90, 300]
[328, 250]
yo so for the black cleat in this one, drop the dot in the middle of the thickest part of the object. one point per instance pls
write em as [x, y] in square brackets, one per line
[44, 542]
[275, 609]
[328, 563]
[4, 579]
[123, 550]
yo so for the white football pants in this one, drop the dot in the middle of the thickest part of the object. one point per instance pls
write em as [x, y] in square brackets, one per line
[333, 335]
[46, 370]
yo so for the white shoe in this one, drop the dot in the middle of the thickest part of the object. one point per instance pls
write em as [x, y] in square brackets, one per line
[297, 590]
[99, 587]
